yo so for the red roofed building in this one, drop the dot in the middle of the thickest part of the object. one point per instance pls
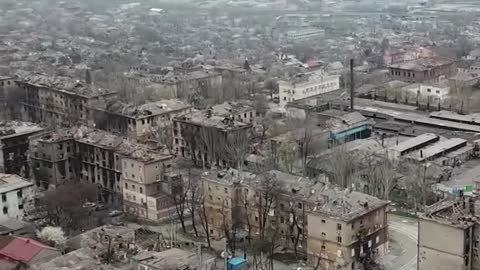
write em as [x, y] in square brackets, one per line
[17, 253]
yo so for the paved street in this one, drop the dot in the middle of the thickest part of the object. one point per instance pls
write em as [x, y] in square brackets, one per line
[403, 244]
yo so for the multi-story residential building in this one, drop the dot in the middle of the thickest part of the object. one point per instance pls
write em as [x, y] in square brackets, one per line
[307, 85]
[59, 100]
[421, 70]
[14, 145]
[16, 193]
[341, 229]
[98, 155]
[240, 111]
[448, 235]
[52, 158]
[10, 95]
[185, 84]
[87, 155]
[139, 122]
[147, 187]
[209, 139]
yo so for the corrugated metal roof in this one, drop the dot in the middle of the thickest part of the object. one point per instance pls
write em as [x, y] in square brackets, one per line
[22, 249]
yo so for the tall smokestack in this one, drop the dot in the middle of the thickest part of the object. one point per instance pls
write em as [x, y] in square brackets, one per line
[352, 85]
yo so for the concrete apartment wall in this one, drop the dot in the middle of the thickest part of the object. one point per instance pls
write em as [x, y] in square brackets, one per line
[441, 246]
[13, 205]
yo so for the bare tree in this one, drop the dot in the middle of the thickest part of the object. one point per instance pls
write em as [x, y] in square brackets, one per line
[340, 166]
[209, 137]
[234, 147]
[180, 198]
[295, 230]
[285, 155]
[263, 250]
[265, 124]
[192, 202]
[164, 135]
[380, 171]
[64, 205]
[231, 224]
[417, 183]
[268, 193]
[261, 105]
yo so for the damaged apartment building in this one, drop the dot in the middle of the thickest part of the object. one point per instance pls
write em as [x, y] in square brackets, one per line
[211, 140]
[330, 226]
[148, 182]
[14, 145]
[141, 122]
[9, 98]
[58, 100]
[186, 83]
[449, 234]
[87, 155]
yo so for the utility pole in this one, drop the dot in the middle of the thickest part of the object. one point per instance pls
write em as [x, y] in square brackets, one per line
[352, 86]
[200, 256]
[225, 256]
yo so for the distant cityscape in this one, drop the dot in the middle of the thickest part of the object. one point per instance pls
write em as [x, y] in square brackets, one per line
[254, 134]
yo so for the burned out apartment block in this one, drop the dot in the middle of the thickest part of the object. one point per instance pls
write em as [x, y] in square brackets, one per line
[10, 96]
[141, 122]
[188, 83]
[52, 158]
[86, 155]
[241, 111]
[14, 146]
[58, 100]
[210, 140]
[331, 227]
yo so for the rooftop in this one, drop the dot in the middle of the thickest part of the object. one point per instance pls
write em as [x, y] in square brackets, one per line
[10, 182]
[174, 77]
[95, 237]
[313, 76]
[202, 118]
[149, 109]
[423, 64]
[106, 140]
[122, 146]
[450, 212]
[228, 108]
[23, 249]
[64, 84]
[172, 259]
[14, 128]
[465, 77]
[84, 258]
[414, 142]
[473, 119]
[437, 148]
[323, 198]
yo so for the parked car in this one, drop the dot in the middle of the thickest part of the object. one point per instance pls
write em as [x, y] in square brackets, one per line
[89, 205]
[115, 213]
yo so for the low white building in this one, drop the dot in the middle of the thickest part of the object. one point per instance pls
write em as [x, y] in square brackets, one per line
[424, 91]
[16, 194]
[304, 34]
[307, 85]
